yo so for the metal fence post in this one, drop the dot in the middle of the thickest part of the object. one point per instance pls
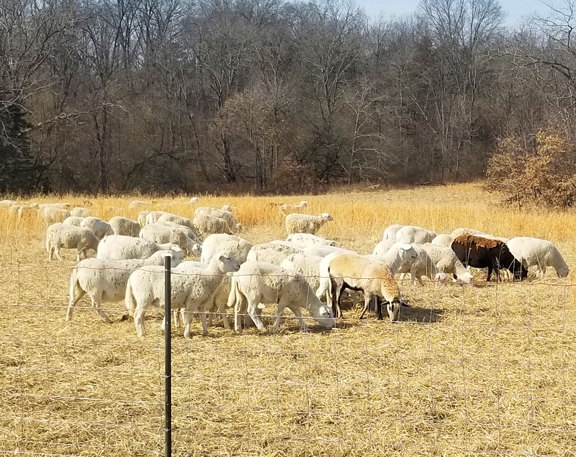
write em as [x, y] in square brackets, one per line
[168, 354]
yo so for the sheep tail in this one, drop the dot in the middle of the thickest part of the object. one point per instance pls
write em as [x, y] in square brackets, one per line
[129, 301]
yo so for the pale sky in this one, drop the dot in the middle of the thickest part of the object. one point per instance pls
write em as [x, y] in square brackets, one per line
[514, 9]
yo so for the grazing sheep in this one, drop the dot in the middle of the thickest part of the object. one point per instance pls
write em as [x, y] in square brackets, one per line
[289, 209]
[261, 282]
[323, 251]
[447, 262]
[271, 252]
[169, 217]
[305, 223]
[230, 244]
[7, 203]
[70, 237]
[51, 214]
[390, 232]
[209, 225]
[480, 252]
[105, 280]
[383, 246]
[194, 200]
[118, 247]
[194, 292]
[422, 265]
[142, 217]
[153, 216]
[137, 204]
[398, 256]
[542, 253]
[79, 212]
[124, 226]
[159, 233]
[191, 232]
[306, 266]
[307, 239]
[371, 277]
[224, 213]
[73, 220]
[444, 239]
[414, 234]
[464, 231]
[98, 227]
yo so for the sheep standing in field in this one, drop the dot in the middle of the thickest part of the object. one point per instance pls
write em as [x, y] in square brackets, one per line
[464, 231]
[105, 280]
[383, 246]
[142, 217]
[153, 216]
[7, 203]
[190, 232]
[271, 252]
[443, 239]
[260, 282]
[307, 239]
[137, 204]
[306, 266]
[169, 217]
[194, 292]
[422, 265]
[51, 214]
[447, 262]
[542, 253]
[289, 209]
[118, 247]
[372, 277]
[159, 233]
[73, 220]
[390, 232]
[209, 225]
[98, 227]
[79, 212]
[124, 226]
[71, 237]
[224, 213]
[304, 223]
[414, 234]
[232, 245]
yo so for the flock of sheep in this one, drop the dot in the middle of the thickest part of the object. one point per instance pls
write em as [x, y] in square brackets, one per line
[302, 271]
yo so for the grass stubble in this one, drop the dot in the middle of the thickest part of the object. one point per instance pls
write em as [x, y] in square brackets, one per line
[487, 369]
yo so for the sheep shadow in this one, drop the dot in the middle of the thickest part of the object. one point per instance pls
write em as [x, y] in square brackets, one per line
[429, 315]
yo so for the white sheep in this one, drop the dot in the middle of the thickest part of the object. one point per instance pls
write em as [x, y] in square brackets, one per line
[159, 233]
[422, 265]
[373, 278]
[71, 237]
[153, 216]
[271, 252]
[261, 282]
[322, 250]
[232, 245]
[307, 239]
[443, 239]
[191, 232]
[50, 214]
[73, 220]
[105, 280]
[142, 217]
[208, 225]
[118, 247]
[542, 253]
[224, 213]
[463, 231]
[7, 203]
[390, 232]
[138, 204]
[289, 209]
[14, 209]
[383, 246]
[124, 226]
[99, 227]
[447, 262]
[79, 212]
[194, 200]
[306, 266]
[305, 223]
[194, 292]
[169, 217]
[414, 234]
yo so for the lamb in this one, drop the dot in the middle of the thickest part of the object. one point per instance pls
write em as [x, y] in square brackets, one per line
[305, 223]
[422, 265]
[194, 292]
[271, 252]
[161, 234]
[124, 226]
[443, 239]
[372, 277]
[51, 214]
[307, 239]
[71, 237]
[414, 234]
[542, 253]
[447, 262]
[105, 280]
[232, 245]
[118, 247]
[306, 266]
[288, 208]
[261, 282]
[209, 225]
[390, 232]
[79, 212]
[99, 227]
[73, 220]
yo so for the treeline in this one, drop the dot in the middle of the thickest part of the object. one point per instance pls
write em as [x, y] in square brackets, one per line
[158, 95]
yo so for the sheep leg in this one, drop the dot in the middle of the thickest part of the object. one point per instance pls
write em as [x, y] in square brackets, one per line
[489, 273]
[298, 315]
[97, 305]
[78, 294]
[252, 312]
[139, 321]
[367, 298]
[278, 319]
[187, 319]
[223, 315]
[57, 252]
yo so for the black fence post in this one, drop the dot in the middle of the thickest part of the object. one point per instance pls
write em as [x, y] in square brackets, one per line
[168, 353]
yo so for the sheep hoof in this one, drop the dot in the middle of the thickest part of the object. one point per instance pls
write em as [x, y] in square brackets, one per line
[125, 317]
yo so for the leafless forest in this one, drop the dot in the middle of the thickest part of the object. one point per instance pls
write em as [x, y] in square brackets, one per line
[103, 96]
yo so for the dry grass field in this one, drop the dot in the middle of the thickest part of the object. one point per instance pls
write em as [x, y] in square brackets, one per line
[486, 369]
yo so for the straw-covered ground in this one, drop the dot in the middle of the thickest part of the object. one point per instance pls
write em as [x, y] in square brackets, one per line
[488, 369]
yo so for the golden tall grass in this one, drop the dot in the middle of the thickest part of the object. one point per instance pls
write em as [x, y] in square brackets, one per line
[478, 370]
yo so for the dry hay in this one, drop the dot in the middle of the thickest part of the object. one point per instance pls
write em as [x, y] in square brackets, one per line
[485, 370]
